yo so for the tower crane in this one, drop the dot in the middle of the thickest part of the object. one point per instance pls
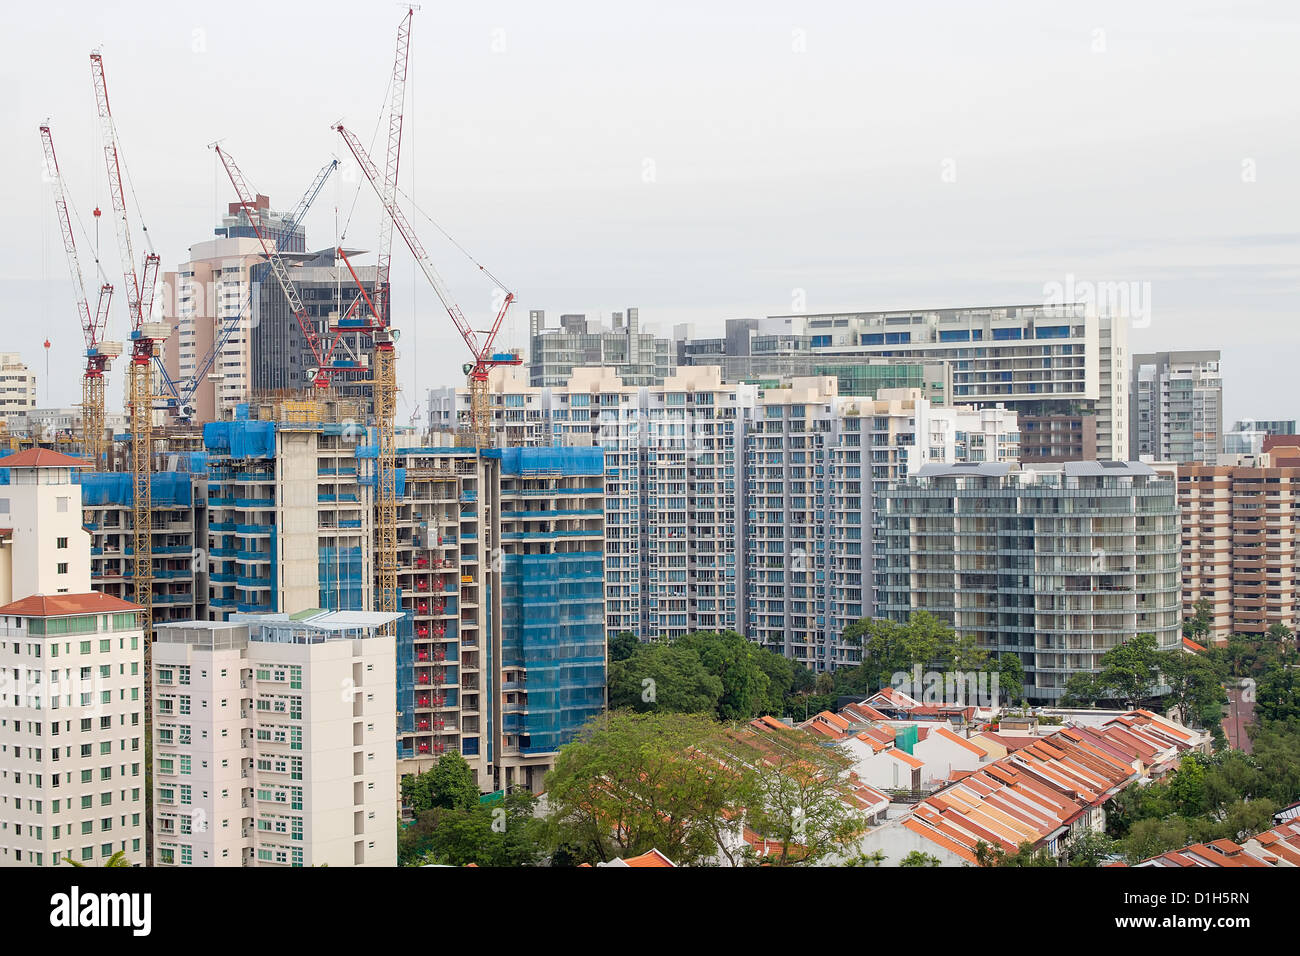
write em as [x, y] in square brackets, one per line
[145, 333]
[99, 353]
[322, 351]
[180, 395]
[484, 358]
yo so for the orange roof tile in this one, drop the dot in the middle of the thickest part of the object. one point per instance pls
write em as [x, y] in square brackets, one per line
[41, 458]
[61, 605]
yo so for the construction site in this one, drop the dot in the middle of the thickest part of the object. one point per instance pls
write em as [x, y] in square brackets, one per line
[261, 470]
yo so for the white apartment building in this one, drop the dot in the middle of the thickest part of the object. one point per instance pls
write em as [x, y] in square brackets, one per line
[17, 385]
[1177, 407]
[1047, 362]
[731, 507]
[275, 741]
[72, 728]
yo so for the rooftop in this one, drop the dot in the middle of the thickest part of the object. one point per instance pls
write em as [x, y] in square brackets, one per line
[66, 605]
[41, 458]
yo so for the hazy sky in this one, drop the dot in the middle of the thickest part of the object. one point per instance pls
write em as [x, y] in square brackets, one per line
[701, 161]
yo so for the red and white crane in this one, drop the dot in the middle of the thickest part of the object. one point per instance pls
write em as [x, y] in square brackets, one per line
[99, 353]
[481, 350]
[145, 334]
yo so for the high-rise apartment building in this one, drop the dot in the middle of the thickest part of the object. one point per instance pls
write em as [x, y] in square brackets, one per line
[1177, 407]
[273, 741]
[280, 357]
[17, 386]
[638, 358]
[178, 534]
[1056, 566]
[550, 600]
[1062, 369]
[1240, 545]
[733, 507]
[1247, 435]
[72, 700]
[290, 523]
[227, 285]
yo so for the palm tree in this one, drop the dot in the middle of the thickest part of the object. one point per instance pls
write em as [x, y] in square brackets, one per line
[117, 859]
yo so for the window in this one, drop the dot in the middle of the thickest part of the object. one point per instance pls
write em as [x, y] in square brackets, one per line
[61, 505]
[62, 566]
[60, 543]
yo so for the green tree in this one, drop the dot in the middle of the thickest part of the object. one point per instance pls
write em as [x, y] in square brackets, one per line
[1011, 676]
[630, 782]
[622, 646]
[664, 677]
[116, 860]
[1088, 848]
[793, 792]
[988, 855]
[1198, 625]
[1196, 684]
[917, 858]
[732, 659]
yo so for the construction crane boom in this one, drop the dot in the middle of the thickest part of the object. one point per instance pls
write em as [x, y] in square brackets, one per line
[98, 353]
[483, 358]
[396, 109]
[182, 393]
[144, 333]
[281, 272]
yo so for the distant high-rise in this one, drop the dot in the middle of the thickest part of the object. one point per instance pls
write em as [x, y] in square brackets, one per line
[1248, 435]
[637, 357]
[1177, 407]
[227, 285]
[1060, 368]
[17, 385]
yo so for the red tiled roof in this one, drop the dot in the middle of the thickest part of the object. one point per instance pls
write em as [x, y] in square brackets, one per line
[60, 605]
[650, 858]
[41, 458]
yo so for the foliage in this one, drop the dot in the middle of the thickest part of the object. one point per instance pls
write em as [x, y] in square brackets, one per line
[622, 646]
[448, 785]
[118, 859]
[917, 858]
[683, 784]
[988, 855]
[792, 792]
[664, 677]
[630, 783]
[889, 647]
[503, 832]
[1011, 676]
[1198, 625]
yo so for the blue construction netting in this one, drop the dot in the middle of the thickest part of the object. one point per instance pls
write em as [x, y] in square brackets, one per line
[370, 481]
[166, 488]
[4, 476]
[567, 461]
[194, 462]
[240, 439]
[343, 583]
[553, 626]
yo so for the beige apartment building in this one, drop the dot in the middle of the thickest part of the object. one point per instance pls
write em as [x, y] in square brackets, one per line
[1239, 544]
[72, 727]
[274, 741]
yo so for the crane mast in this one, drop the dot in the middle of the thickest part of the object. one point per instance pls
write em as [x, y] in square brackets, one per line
[99, 353]
[484, 359]
[281, 272]
[144, 334]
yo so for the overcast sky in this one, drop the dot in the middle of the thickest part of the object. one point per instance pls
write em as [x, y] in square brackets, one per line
[701, 161]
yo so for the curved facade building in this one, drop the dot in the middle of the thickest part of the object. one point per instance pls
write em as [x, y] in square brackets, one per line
[1055, 564]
